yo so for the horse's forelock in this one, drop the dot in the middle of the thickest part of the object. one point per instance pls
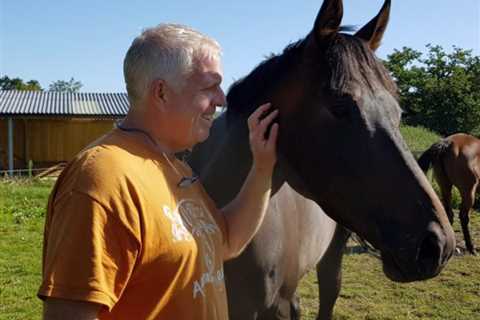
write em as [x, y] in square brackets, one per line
[352, 64]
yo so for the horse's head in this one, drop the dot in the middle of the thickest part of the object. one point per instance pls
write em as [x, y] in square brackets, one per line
[340, 139]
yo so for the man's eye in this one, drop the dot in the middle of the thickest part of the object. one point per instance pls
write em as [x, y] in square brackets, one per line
[211, 88]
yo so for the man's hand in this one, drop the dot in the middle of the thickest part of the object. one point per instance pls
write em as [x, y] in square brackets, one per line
[264, 150]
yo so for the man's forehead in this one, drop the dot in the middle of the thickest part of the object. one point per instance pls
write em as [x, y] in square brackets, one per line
[208, 64]
[207, 72]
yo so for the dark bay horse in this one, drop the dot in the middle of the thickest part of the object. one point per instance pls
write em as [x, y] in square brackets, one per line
[456, 162]
[339, 149]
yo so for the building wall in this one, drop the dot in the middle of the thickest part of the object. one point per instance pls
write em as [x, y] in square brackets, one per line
[49, 141]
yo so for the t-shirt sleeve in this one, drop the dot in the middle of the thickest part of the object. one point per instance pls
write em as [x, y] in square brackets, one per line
[89, 253]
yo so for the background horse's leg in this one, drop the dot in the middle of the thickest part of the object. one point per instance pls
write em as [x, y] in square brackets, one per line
[468, 198]
[329, 274]
[445, 189]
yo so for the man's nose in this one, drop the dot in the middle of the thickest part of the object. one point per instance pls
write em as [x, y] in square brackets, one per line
[222, 100]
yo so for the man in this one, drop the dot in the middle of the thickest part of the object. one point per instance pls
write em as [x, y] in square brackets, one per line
[129, 232]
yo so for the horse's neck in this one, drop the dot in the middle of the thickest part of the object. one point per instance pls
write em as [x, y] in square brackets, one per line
[223, 161]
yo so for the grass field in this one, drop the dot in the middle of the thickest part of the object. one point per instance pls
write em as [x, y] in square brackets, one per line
[366, 292]
[22, 207]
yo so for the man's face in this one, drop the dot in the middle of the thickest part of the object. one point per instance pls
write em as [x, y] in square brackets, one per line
[191, 110]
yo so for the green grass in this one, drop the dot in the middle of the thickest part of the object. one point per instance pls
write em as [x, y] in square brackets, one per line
[366, 292]
[418, 139]
[24, 199]
[22, 207]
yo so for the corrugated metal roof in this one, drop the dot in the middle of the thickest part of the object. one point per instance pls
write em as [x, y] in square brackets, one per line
[15, 103]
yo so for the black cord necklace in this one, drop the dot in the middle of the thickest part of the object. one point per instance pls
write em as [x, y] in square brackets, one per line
[184, 181]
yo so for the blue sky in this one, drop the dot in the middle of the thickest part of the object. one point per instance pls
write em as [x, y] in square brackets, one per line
[56, 40]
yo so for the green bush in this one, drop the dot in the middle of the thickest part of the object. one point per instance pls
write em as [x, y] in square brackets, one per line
[439, 89]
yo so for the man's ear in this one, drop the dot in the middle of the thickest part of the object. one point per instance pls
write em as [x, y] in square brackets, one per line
[158, 91]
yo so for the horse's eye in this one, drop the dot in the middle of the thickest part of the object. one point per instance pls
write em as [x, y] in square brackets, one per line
[340, 111]
[340, 105]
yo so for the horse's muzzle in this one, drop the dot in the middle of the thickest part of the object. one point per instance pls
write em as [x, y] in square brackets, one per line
[434, 250]
[424, 261]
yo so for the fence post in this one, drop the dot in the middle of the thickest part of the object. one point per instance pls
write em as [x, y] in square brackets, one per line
[30, 168]
[10, 147]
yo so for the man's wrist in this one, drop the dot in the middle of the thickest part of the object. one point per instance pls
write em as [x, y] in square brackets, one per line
[264, 172]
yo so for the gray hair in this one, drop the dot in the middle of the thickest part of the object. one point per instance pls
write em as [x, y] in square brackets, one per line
[166, 52]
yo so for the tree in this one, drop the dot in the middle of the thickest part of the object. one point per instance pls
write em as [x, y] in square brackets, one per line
[32, 85]
[65, 86]
[17, 84]
[440, 91]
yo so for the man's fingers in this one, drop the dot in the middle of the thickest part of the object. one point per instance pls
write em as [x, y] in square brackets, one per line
[254, 118]
[272, 138]
[261, 129]
[267, 120]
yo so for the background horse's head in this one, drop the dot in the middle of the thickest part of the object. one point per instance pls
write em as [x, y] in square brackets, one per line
[340, 142]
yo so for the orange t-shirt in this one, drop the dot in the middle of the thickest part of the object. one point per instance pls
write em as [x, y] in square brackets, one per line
[120, 232]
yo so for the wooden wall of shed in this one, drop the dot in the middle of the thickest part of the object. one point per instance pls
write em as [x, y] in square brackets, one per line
[49, 141]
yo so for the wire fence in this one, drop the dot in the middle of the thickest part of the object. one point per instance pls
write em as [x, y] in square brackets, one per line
[56, 170]
[24, 173]
[14, 171]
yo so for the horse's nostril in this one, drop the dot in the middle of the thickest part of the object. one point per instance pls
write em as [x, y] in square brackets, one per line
[430, 252]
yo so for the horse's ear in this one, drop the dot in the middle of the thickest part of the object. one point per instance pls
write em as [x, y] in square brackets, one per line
[328, 19]
[373, 31]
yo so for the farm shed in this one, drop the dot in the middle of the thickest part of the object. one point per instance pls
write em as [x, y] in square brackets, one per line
[51, 127]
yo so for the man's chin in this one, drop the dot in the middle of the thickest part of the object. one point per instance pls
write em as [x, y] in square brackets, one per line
[203, 136]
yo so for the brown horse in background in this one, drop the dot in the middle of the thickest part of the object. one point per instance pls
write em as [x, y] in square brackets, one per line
[456, 162]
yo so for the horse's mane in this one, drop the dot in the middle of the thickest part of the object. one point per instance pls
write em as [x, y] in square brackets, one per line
[245, 94]
[349, 61]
